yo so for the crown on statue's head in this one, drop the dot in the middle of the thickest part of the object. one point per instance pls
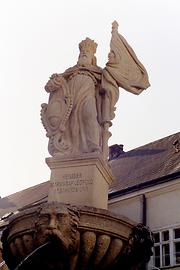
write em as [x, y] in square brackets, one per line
[88, 45]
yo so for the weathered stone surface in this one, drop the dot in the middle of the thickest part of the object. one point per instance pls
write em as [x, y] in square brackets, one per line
[79, 180]
[59, 236]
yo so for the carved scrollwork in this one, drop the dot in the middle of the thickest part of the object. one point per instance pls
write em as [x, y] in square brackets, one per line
[55, 114]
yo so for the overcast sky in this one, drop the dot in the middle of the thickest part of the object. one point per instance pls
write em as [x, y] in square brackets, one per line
[41, 37]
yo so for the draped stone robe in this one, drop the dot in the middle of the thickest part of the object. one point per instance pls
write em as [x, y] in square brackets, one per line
[83, 129]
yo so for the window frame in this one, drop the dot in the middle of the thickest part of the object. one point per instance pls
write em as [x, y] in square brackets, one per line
[172, 251]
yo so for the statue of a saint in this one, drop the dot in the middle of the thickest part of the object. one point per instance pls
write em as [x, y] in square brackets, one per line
[82, 99]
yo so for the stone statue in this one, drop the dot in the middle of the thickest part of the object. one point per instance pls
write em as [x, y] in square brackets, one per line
[82, 99]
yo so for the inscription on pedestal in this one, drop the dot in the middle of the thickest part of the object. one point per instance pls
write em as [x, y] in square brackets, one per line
[79, 181]
[72, 182]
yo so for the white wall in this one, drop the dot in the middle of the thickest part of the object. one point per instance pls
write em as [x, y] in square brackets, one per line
[163, 205]
[131, 208]
[163, 210]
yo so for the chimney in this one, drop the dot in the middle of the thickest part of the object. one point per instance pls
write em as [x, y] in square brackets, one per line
[176, 146]
[115, 151]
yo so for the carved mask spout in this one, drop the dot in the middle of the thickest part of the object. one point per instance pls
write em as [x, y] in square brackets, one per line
[59, 227]
[54, 232]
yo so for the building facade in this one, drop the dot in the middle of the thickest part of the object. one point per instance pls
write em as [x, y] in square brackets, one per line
[147, 190]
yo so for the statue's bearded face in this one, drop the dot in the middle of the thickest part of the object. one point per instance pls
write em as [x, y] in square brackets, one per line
[85, 58]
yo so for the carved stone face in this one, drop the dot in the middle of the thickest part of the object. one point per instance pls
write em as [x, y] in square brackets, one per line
[56, 224]
[85, 58]
[51, 223]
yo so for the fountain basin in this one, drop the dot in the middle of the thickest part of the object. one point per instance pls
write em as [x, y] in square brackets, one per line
[71, 238]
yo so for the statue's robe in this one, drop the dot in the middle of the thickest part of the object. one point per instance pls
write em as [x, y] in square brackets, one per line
[82, 132]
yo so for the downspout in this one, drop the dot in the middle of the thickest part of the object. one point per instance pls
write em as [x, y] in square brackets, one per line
[144, 221]
[144, 210]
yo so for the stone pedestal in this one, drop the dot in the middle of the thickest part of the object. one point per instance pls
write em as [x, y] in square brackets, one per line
[81, 180]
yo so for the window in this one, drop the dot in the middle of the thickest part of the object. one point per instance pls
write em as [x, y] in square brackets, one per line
[166, 248]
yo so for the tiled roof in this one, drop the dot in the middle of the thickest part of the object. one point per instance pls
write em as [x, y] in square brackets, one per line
[23, 198]
[149, 162]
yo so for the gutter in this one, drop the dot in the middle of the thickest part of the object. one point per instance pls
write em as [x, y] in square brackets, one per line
[154, 182]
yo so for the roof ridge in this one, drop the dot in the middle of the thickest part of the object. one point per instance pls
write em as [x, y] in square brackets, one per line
[151, 143]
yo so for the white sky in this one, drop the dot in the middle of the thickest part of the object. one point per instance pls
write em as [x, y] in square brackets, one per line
[41, 37]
